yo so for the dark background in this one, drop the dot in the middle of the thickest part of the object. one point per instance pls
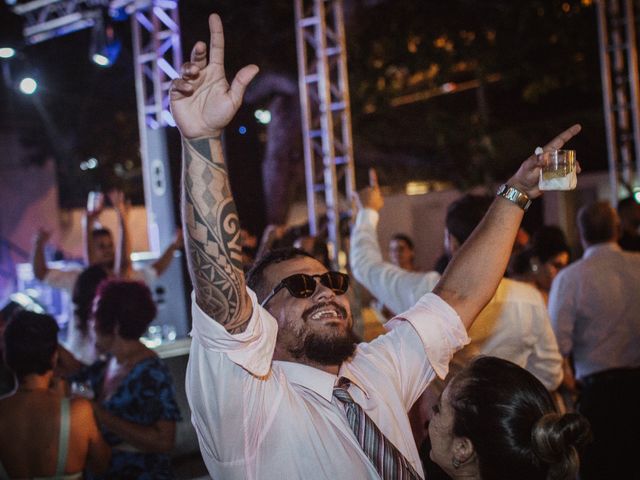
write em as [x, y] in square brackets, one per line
[544, 52]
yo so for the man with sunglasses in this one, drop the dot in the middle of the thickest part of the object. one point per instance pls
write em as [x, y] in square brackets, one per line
[276, 384]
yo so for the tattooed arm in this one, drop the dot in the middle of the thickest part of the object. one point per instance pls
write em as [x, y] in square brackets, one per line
[203, 103]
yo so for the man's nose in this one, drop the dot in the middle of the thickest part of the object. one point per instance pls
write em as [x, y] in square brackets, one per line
[322, 292]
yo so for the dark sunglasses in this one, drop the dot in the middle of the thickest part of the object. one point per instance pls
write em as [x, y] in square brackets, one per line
[301, 285]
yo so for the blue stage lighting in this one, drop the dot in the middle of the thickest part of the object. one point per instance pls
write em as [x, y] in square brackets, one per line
[105, 47]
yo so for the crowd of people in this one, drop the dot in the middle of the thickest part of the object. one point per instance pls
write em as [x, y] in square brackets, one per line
[497, 363]
[94, 402]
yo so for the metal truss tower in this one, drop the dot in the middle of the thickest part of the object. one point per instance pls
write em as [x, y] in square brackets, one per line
[619, 74]
[47, 19]
[157, 59]
[326, 114]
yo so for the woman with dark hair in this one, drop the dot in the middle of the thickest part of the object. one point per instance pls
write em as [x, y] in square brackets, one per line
[80, 339]
[42, 433]
[134, 394]
[540, 262]
[496, 421]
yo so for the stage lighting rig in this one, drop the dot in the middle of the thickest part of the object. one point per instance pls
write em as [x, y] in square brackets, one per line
[105, 46]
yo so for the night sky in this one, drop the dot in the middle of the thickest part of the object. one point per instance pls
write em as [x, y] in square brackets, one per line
[90, 111]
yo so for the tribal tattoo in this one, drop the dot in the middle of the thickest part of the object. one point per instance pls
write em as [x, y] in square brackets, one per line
[213, 235]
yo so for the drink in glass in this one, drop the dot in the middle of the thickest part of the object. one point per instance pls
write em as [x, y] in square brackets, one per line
[558, 171]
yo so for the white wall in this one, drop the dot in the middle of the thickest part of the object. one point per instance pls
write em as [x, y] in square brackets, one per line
[422, 218]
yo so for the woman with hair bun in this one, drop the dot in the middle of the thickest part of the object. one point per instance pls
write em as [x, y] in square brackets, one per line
[496, 421]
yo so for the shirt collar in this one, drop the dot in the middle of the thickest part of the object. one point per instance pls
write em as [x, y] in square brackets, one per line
[317, 380]
[598, 247]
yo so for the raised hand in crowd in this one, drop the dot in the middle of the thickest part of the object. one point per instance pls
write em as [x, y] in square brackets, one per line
[471, 278]
[202, 101]
[370, 197]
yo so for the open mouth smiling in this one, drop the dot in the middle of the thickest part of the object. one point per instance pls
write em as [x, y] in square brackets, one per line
[325, 311]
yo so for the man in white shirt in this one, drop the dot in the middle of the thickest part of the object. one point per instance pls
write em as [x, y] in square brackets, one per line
[514, 325]
[595, 311]
[265, 361]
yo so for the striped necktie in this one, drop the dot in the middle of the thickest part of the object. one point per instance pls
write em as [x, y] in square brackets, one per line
[390, 463]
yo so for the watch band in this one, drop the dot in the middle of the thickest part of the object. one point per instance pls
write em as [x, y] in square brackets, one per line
[514, 195]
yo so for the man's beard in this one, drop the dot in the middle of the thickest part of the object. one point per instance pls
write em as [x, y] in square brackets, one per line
[325, 349]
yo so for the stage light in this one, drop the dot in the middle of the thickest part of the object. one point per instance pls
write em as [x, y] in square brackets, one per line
[636, 195]
[28, 85]
[100, 59]
[242, 130]
[90, 164]
[105, 47]
[7, 52]
[263, 116]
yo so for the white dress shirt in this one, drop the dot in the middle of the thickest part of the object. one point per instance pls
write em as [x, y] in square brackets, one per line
[595, 309]
[514, 325]
[262, 419]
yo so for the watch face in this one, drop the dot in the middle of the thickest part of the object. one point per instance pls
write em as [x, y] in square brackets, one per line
[514, 195]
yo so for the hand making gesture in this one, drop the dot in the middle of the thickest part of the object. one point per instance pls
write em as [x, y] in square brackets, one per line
[370, 197]
[526, 178]
[202, 102]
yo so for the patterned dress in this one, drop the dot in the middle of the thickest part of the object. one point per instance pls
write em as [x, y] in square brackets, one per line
[144, 396]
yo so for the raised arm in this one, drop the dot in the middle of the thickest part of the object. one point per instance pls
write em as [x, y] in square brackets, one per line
[161, 265]
[473, 275]
[38, 262]
[203, 103]
[122, 265]
[88, 222]
[396, 288]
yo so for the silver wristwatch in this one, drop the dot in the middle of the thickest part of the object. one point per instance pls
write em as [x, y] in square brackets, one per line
[514, 195]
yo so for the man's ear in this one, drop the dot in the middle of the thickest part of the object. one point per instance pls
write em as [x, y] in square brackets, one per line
[463, 450]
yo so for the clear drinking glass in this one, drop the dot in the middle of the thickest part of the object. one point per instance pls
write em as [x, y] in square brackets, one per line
[558, 171]
[169, 333]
